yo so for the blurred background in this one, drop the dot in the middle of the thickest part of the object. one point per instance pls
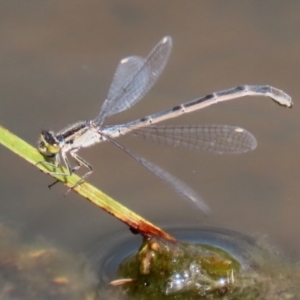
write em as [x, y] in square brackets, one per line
[57, 60]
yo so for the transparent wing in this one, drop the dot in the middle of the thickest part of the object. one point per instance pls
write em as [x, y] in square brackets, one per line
[134, 78]
[179, 186]
[221, 139]
[123, 75]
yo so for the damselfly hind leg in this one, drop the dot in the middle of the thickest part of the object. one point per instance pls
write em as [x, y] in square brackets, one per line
[53, 164]
[79, 162]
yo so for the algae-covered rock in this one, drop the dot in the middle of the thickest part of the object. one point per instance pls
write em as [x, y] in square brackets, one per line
[173, 270]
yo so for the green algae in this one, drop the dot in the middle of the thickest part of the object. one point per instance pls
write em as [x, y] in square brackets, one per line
[173, 270]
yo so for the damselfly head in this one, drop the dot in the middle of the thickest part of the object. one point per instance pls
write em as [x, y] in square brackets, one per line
[48, 144]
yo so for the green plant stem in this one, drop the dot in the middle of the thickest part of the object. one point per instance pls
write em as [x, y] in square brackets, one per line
[86, 190]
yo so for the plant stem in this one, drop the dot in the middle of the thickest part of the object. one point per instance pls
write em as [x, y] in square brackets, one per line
[86, 190]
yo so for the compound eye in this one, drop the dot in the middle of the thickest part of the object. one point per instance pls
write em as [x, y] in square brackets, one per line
[48, 144]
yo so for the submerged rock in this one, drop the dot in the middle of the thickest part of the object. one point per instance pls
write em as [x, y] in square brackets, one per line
[243, 268]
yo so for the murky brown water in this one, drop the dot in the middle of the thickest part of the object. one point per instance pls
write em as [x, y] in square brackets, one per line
[57, 60]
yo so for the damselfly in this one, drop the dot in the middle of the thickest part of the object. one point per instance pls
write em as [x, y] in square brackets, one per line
[133, 78]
